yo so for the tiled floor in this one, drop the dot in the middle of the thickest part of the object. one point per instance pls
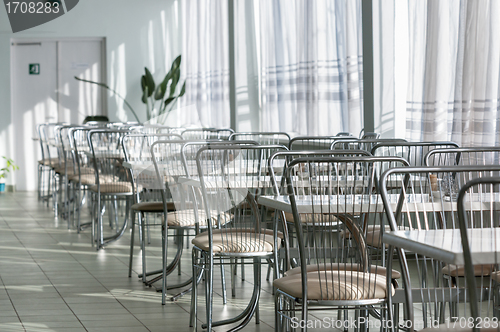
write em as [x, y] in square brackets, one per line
[53, 280]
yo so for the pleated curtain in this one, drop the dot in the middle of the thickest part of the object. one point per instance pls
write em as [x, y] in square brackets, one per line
[454, 71]
[311, 66]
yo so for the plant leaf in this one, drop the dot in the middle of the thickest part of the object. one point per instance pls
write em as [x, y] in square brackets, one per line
[160, 90]
[175, 80]
[149, 81]
[183, 90]
[176, 64]
[145, 95]
[169, 100]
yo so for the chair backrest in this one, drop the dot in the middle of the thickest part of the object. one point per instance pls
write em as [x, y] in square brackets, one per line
[81, 150]
[155, 129]
[206, 133]
[370, 135]
[106, 150]
[263, 138]
[63, 144]
[174, 162]
[232, 177]
[487, 155]
[336, 210]
[413, 152]
[137, 149]
[362, 144]
[48, 137]
[485, 221]
[424, 199]
[314, 142]
[280, 160]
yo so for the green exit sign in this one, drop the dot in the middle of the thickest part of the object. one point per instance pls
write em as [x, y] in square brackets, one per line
[34, 69]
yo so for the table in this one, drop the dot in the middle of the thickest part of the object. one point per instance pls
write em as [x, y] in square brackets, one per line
[446, 244]
[346, 203]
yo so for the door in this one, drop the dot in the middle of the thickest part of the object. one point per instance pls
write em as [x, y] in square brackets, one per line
[43, 89]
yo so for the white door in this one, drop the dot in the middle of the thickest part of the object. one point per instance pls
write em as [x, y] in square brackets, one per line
[44, 90]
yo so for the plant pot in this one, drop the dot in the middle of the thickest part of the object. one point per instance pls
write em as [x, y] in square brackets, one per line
[2, 187]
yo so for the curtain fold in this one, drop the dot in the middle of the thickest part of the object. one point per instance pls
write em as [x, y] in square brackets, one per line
[453, 77]
[311, 66]
[205, 64]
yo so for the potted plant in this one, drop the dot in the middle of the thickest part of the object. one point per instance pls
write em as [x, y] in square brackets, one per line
[10, 166]
[159, 99]
[166, 92]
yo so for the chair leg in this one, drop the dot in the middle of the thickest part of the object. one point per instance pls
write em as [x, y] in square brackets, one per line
[143, 246]
[132, 238]
[194, 292]
[164, 263]
[277, 310]
[258, 280]
[100, 228]
[93, 215]
[223, 280]
[209, 289]
[39, 181]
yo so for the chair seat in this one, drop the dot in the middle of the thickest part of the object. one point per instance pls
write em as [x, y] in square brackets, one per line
[114, 188]
[89, 179]
[308, 218]
[336, 285]
[152, 206]
[187, 218]
[345, 267]
[49, 162]
[71, 171]
[86, 179]
[459, 270]
[236, 241]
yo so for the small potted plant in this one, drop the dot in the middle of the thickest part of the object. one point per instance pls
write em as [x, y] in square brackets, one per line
[10, 166]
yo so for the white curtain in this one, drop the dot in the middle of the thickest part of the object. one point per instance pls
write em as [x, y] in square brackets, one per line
[453, 73]
[310, 66]
[205, 65]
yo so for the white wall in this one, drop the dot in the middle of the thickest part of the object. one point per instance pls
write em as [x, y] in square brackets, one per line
[138, 34]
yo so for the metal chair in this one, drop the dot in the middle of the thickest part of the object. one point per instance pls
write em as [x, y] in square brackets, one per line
[232, 177]
[331, 197]
[361, 143]
[83, 176]
[263, 138]
[277, 164]
[413, 152]
[370, 135]
[147, 192]
[51, 157]
[112, 183]
[156, 129]
[423, 198]
[175, 160]
[46, 164]
[483, 287]
[486, 155]
[314, 142]
[206, 133]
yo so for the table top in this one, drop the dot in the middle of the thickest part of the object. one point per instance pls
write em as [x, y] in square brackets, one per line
[365, 203]
[341, 203]
[446, 244]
